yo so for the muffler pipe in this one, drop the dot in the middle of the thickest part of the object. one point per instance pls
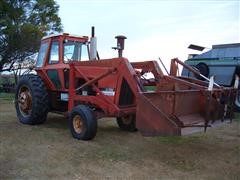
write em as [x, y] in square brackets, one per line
[93, 46]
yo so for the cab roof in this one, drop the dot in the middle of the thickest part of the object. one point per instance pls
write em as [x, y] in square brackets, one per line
[66, 35]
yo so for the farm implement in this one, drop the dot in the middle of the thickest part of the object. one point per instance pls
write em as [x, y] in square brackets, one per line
[71, 79]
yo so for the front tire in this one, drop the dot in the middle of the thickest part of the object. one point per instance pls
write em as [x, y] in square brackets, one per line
[31, 100]
[83, 123]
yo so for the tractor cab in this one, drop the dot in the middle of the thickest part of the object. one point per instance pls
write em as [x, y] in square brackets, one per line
[62, 48]
[55, 54]
[56, 51]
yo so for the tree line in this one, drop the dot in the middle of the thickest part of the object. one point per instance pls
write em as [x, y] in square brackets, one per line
[22, 25]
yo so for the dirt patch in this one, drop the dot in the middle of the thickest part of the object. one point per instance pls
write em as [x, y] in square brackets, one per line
[48, 151]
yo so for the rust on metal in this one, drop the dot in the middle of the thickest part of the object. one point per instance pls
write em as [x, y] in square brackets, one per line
[25, 101]
[181, 103]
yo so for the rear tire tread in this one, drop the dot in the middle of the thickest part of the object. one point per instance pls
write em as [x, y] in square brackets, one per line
[131, 127]
[39, 99]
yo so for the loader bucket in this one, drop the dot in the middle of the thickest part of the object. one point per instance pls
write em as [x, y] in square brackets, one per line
[177, 112]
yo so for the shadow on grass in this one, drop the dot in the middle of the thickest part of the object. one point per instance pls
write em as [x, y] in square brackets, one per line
[56, 122]
[109, 129]
[237, 116]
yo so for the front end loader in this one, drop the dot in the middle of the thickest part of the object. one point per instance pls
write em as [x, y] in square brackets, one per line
[72, 80]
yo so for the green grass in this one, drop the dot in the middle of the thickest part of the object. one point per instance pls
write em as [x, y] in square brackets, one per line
[112, 153]
[6, 96]
[182, 164]
[177, 140]
[32, 152]
[237, 116]
[6, 79]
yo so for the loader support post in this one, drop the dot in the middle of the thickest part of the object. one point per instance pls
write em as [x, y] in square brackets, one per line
[71, 87]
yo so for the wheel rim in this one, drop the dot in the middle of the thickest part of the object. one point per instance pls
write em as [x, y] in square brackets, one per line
[78, 124]
[127, 120]
[24, 101]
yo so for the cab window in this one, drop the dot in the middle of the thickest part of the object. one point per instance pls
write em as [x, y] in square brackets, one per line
[41, 54]
[74, 50]
[84, 55]
[54, 53]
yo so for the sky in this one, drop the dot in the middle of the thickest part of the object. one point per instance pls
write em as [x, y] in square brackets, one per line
[153, 29]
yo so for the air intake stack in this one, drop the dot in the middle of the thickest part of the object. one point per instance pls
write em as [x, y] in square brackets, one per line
[120, 44]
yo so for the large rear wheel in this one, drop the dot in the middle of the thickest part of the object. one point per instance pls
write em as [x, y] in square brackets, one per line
[31, 100]
[127, 123]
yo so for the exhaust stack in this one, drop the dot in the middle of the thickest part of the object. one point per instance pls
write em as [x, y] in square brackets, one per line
[93, 46]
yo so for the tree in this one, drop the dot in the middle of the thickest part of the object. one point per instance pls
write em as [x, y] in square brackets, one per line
[22, 25]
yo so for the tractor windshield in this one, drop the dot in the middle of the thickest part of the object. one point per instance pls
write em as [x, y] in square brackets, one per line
[41, 54]
[74, 50]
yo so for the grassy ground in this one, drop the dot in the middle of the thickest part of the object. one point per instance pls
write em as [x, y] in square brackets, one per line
[48, 151]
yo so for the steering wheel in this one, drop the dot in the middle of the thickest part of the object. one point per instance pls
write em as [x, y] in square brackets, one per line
[66, 56]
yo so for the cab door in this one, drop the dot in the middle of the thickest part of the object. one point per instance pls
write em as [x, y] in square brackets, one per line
[53, 65]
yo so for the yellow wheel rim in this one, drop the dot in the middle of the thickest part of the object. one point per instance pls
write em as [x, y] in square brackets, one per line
[24, 101]
[78, 124]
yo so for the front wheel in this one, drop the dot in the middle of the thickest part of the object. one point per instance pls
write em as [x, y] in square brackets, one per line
[83, 123]
[127, 123]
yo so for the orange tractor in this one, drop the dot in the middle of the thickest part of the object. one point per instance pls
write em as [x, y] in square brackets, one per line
[71, 79]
